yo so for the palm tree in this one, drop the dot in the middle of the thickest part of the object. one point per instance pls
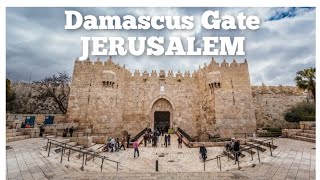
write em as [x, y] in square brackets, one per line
[306, 79]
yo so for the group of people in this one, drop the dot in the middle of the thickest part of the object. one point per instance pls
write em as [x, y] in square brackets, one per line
[114, 145]
[154, 138]
[68, 132]
[234, 147]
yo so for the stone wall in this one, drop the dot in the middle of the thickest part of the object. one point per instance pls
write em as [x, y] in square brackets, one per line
[217, 98]
[271, 102]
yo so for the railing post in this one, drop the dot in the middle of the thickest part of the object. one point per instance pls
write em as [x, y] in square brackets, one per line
[49, 148]
[258, 153]
[62, 149]
[65, 146]
[157, 165]
[245, 135]
[117, 166]
[270, 148]
[94, 154]
[47, 145]
[204, 165]
[220, 163]
[272, 142]
[86, 159]
[251, 153]
[102, 164]
[82, 168]
[69, 154]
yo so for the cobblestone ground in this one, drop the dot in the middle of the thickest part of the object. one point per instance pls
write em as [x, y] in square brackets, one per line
[27, 159]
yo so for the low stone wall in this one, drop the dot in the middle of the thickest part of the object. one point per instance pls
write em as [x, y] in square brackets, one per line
[84, 140]
[58, 118]
[33, 132]
[290, 132]
[307, 124]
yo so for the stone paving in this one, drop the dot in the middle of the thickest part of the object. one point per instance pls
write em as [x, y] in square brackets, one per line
[293, 159]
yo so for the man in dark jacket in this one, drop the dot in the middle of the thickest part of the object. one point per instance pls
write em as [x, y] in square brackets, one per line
[236, 149]
[203, 152]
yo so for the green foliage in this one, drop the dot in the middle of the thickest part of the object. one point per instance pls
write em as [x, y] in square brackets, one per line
[306, 79]
[305, 111]
[273, 130]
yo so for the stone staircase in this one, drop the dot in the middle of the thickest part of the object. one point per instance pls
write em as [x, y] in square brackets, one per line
[14, 135]
[308, 135]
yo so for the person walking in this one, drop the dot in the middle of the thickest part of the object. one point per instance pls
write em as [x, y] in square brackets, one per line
[169, 139]
[236, 150]
[128, 140]
[203, 152]
[123, 141]
[136, 148]
[166, 140]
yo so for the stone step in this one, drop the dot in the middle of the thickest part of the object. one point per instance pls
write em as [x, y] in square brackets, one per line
[231, 155]
[307, 135]
[260, 147]
[156, 175]
[11, 130]
[248, 150]
[12, 134]
[267, 143]
[17, 138]
[301, 138]
[309, 131]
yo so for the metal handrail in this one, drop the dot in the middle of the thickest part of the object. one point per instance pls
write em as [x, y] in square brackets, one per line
[85, 153]
[246, 147]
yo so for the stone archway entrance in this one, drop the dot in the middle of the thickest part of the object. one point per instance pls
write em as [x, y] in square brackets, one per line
[162, 120]
[161, 114]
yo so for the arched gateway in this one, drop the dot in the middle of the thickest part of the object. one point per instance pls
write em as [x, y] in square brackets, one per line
[161, 114]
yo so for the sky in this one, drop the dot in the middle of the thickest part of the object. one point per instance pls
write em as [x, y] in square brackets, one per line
[38, 45]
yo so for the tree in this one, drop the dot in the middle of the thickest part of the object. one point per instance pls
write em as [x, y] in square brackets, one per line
[304, 111]
[10, 96]
[306, 79]
[8, 90]
[55, 87]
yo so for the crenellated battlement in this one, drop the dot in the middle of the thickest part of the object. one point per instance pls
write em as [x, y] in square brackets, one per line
[213, 65]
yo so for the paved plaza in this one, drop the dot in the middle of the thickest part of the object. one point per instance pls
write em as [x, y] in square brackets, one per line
[292, 159]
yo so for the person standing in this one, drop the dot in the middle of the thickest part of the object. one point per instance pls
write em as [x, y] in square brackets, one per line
[203, 152]
[180, 142]
[112, 142]
[145, 139]
[41, 130]
[136, 148]
[128, 140]
[117, 145]
[71, 131]
[169, 139]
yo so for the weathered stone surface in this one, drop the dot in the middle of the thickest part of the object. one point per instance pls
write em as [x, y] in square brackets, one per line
[107, 98]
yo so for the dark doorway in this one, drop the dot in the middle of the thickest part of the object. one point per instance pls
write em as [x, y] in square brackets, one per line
[162, 120]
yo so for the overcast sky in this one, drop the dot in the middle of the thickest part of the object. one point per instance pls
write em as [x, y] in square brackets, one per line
[38, 45]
